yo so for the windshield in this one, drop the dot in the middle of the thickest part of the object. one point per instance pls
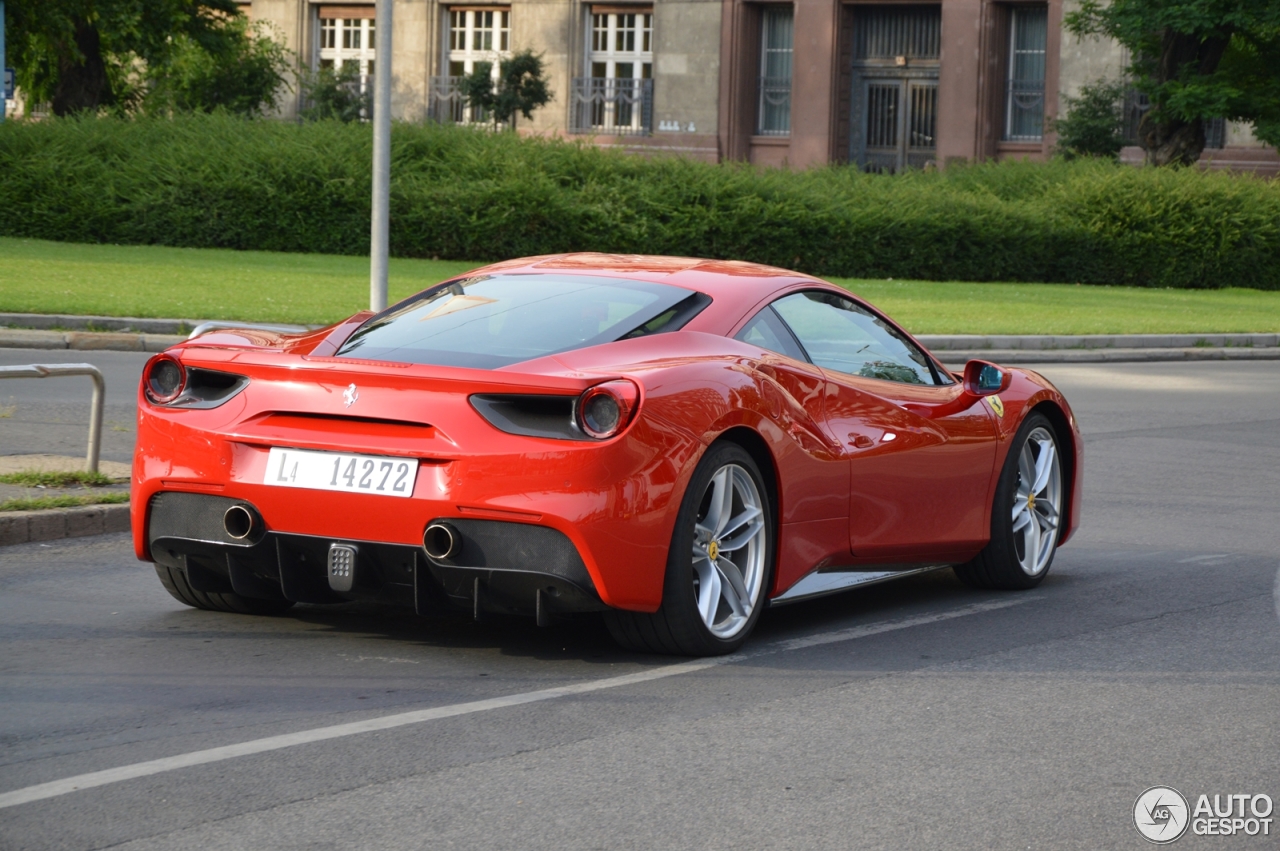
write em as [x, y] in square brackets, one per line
[494, 320]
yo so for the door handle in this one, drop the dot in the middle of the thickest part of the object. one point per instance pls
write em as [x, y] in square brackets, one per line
[860, 441]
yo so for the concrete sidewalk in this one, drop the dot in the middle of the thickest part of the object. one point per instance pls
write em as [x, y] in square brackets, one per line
[51, 524]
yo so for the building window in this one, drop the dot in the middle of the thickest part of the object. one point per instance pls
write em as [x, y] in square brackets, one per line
[347, 36]
[617, 96]
[774, 112]
[1024, 100]
[477, 35]
[1136, 105]
[474, 35]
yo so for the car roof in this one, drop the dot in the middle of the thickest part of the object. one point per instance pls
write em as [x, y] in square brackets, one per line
[732, 279]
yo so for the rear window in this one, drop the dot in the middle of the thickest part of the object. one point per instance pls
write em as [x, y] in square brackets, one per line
[494, 320]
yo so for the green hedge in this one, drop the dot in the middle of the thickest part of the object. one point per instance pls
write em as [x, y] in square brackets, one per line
[217, 181]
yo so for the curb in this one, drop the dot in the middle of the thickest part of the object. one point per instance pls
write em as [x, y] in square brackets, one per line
[26, 527]
[21, 338]
[72, 322]
[1030, 356]
[1039, 342]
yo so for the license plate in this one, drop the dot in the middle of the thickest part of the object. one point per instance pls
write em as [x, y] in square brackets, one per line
[333, 471]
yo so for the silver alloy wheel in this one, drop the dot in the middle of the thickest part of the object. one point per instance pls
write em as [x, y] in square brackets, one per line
[1036, 502]
[729, 550]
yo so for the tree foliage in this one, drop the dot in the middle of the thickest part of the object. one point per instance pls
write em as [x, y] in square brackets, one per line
[335, 95]
[461, 192]
[519, 88]
[84, 55]
[1092, 125]
[1195, 60]
[244, 76]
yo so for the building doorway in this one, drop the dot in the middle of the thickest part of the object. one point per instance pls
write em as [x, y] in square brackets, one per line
[895, 86]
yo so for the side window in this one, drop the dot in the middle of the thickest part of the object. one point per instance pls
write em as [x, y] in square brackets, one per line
[767, 331]
[838, 334]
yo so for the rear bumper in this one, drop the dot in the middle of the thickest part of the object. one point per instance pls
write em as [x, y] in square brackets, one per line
[501, 567]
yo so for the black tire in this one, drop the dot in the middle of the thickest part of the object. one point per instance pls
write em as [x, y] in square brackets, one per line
[175, 582]
[677, 628]
[1000, 564]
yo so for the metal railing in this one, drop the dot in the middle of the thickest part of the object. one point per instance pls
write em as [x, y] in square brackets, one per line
[446, 103]
[56, 370]
[774, 117]
[1024, 111]
[616, 106]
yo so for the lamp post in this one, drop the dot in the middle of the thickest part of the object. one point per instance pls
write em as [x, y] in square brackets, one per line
[4, 95]
[380, 231]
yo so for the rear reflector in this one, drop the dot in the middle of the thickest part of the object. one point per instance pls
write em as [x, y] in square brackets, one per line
[342, 567]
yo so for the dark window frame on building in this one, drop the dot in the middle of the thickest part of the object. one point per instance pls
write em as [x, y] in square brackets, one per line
[773, 108]
[1026, 65]
[896, 63]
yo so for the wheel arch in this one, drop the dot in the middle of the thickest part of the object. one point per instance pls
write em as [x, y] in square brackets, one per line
[758, 449]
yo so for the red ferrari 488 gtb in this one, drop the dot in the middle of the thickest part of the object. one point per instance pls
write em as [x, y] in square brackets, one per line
[675, 443]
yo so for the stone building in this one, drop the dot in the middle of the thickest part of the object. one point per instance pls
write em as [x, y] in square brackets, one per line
[883, 84]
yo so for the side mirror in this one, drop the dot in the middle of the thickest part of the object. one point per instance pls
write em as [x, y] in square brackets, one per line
[982, 378]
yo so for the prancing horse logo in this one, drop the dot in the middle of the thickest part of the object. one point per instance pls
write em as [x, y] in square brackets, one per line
[350, 396]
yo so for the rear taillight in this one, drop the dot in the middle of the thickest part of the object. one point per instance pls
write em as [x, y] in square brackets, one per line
[606, 409]
[164, 379]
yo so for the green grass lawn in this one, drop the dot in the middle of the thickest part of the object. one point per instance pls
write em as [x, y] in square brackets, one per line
[253, 286]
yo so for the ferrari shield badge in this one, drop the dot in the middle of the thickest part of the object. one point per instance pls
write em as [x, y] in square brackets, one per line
[996, 405]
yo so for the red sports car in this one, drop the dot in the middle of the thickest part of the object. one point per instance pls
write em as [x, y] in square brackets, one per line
[675, 443]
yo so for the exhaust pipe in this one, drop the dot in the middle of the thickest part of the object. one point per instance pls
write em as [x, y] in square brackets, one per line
[241, 521]
[441, 541]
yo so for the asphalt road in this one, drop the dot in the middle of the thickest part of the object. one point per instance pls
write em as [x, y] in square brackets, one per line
[917, 714]
[39, 415]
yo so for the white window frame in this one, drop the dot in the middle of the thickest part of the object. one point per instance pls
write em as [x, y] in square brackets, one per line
[620, 38]
[484, 36]
[341, 40]
[475, 34]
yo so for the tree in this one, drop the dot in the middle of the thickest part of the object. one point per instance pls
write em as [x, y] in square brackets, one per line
[336, 95]
[1091, 127]
[518, 89]
[1195, 60]
[243, 73]
[80, 55]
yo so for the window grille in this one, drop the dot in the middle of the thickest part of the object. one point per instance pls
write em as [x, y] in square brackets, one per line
[619, 106]
[774, 113]
[889, 32]
[617, 97]
[1024, 97]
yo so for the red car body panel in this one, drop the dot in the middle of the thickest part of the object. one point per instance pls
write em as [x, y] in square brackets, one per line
[844, 495]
